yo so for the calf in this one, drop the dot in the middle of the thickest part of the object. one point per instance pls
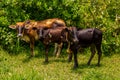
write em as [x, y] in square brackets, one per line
[91, 37]
[26, 31]
[57, 35]
[47, 24]
[28, 35]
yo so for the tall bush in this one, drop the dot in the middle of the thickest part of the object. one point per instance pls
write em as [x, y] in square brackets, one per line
[81, 13]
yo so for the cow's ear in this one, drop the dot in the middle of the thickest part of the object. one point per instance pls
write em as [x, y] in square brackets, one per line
[12, 26]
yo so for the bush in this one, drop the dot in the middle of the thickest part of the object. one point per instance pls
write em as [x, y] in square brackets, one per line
[99, 14]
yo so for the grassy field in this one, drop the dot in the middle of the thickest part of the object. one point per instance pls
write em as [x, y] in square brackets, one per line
[20, 67]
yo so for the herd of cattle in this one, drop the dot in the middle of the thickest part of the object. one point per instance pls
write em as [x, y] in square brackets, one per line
[55, 31]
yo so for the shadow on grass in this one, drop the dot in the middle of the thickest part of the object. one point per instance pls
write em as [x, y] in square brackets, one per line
[84, 66]
[42, 56]
[46, 63]
[59, 60]
[27, 59]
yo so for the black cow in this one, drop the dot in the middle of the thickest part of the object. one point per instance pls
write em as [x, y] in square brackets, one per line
[90, 37]
[57, 35]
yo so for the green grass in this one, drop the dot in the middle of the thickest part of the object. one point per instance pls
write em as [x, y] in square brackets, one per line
[20, 67]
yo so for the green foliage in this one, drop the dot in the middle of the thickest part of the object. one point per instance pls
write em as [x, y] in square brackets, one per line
[81, 13]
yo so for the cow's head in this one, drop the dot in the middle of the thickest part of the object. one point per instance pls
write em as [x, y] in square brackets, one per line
[71, 34]
[39, 29]
[19, 27]
[42, 31]
[23, 27]
[30, 24]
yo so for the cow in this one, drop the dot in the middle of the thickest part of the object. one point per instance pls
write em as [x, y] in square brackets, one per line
[25, 30]
[90, 37]
[46, 24]
[57, 35]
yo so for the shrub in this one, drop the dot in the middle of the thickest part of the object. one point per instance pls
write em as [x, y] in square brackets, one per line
[99, 14]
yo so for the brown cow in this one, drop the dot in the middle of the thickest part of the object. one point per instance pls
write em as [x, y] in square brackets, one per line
[57, 35]
[46, 24]
[26, 32]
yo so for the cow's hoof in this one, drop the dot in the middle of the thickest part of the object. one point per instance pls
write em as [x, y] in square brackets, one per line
[75, 66]
[69, 59]
[98, 65]
[57, 56]
[88, 64]
[30, 57]
[45, 62]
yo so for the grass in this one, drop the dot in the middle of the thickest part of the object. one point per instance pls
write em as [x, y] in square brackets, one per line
[20, 67]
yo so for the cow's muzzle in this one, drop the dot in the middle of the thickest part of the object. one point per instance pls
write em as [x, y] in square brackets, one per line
[75, 40]
[19, 35]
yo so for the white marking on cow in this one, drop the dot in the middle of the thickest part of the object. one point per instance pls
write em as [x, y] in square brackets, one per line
[50, 35]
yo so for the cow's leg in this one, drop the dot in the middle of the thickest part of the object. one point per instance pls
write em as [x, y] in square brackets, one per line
[98, 47]
[74, 50]
[32, 47]
[69, 51]
[59, 49]
[55, 49]
[75, 59]
[46, 53]
[92, 48]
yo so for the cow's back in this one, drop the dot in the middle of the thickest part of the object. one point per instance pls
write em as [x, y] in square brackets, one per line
[54, 35]
[85, 34]
[49, 23]
[89, 36]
